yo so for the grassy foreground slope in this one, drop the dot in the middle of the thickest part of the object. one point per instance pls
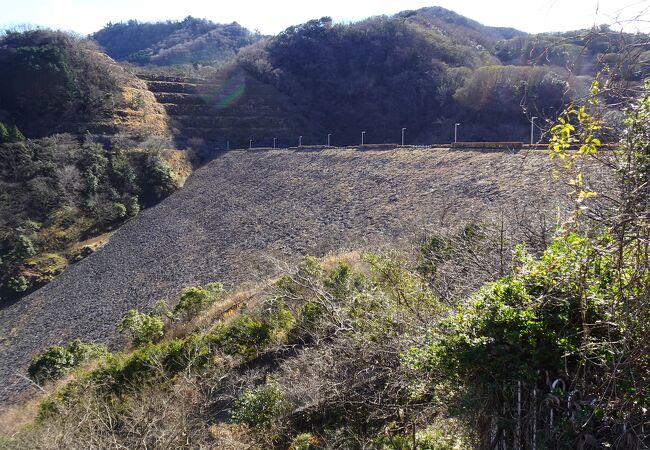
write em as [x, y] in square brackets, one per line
[244, 213]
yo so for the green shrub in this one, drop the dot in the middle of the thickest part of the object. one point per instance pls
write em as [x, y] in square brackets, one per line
[303, 441]
[245, 336]
[23, 248]
[310, 313]
[310, 267]
[532, 321]
[503, 334]
[258, 407]
[280, 319]
[161, 309]
[432, 253]
[149, 361]
[93, 164]
[309, 271]
[119, 211]
[52, 364]
[18, 284]
[159, 181]
[121, 172]
[56, 361]
[141, 328]
[424, 440]
[197, 299]
[342, 281]
[132, 206]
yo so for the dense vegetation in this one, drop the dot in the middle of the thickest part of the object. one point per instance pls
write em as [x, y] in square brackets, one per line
[54, 82]
[391, 352]
[190, 41]
[59, 191]
[426, 70]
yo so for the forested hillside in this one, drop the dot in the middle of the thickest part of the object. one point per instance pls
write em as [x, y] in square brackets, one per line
[52, 82]
[82, 149]
[431, 68]
[190, 41]
[424, 70]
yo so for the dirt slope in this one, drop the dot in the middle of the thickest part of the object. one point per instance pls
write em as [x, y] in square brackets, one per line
[240, 215]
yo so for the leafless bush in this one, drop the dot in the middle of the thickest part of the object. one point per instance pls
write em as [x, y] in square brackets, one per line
[146, 417]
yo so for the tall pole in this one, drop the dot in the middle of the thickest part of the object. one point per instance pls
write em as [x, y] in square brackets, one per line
[532, 129]
[456, 132]
[227, 145]
[250, 144]
[274, 139]
[329, 136]
[299, 141]
[403, 130]
[363, 134]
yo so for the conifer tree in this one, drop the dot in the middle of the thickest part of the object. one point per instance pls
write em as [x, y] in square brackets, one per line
[4, 133]
[15, 135]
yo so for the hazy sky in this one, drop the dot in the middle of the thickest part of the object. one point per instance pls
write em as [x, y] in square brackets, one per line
[272, 16]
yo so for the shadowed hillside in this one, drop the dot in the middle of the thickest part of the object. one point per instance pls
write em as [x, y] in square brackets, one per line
[83, 154]
[424, 70]
[240, 216]
[53, 82]
[230, 106]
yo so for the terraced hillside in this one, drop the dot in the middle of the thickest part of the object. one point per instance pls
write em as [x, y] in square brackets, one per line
[238, 218]
[231, 107]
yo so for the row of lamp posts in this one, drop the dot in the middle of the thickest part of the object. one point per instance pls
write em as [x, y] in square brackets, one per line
[363, 136]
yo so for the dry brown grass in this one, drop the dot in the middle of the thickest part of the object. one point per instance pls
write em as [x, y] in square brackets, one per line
[142, 113]
[13, 418]
[179, 165]
[231, 437]
[94, 243]
[353, 258]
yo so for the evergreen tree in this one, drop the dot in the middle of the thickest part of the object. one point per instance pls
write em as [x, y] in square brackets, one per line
[15, 135]
[4, 133]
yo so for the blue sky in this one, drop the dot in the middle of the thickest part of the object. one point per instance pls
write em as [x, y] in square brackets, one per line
[272, 16]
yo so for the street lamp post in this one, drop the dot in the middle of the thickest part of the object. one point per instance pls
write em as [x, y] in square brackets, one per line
[299, 141]
[250, 144]
[274, 139]
[456, 132]
[329, 136]
[227, 145]
[532, 129]
[403, 130]
[363, 134]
